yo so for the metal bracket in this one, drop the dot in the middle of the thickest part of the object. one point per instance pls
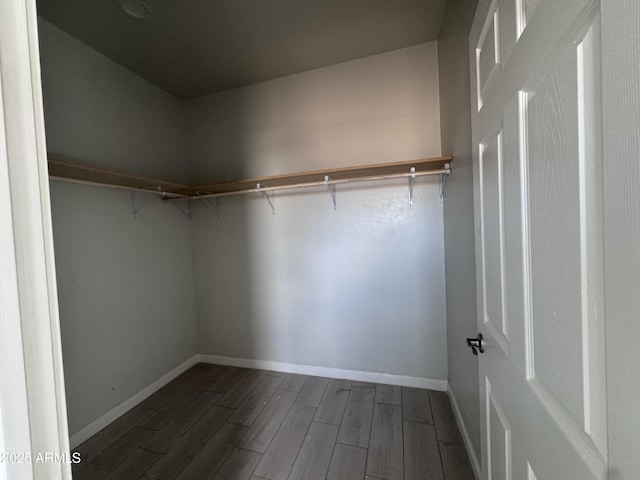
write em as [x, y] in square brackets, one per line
[332, 189]
[137, 206]
[411, 180]
[259, 187]
[186, 211]
[217, 209]
[443, 181]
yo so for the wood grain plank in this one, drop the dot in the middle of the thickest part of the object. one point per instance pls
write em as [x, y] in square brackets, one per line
[189, 445]
[235, 396]
[455, 462]
[293, 382]
[390, 394]
[216, 372]
[277, 461]
[315, 454]
[90, 471]
[312, 391]
[173, 406]
[333, 403]
[421, 452]
[205, 367]
[134, 466]
[172, 388]
[229, 380]
[108, 435]
[266, 425]
[385, 459]
[362, 385]
[108, 460]
[251, 407]
[356, 422]
[179, 425]
[239, 465]
[416, 406]
[213, 455]
[444, 419]
[347, 463]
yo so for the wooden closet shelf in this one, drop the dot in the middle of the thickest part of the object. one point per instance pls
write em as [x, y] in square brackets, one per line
[72, 173]
[68, 172]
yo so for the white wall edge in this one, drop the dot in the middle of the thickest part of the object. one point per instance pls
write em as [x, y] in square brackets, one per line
[473, 457]
[339, 373]
[122, 408]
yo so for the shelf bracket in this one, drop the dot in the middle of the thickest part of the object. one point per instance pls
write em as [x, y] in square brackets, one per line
[332, 190]
[217, 209]
[443, 181]
[412, 179]
[259, 187]
[136, 205]
[186, 210]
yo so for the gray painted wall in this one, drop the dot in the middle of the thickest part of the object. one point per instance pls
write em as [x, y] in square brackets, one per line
[101, 114]
[377, 109]
[358, 288]
[125, 285]
[453, 55]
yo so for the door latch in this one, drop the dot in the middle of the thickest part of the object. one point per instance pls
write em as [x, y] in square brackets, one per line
[476, 344]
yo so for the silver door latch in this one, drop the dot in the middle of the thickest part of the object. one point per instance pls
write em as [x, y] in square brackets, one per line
[476, 344]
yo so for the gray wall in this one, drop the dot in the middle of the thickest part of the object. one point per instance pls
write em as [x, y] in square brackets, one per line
[101, 114]
[453, 55]
[377, 109]
[125, 285]
[358, 288]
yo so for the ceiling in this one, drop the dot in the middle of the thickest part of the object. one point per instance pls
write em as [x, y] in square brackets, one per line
[191, 48]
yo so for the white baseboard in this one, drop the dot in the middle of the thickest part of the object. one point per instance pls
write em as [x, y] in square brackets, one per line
[357, 375]
[116, 412]
[473, 456]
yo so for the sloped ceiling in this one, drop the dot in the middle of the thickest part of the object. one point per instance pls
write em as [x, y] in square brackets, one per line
[191, 48]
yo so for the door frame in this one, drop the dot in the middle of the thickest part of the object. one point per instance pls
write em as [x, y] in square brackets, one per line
[33, 418]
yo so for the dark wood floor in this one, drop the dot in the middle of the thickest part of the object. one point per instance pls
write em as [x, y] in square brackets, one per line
[227, 423]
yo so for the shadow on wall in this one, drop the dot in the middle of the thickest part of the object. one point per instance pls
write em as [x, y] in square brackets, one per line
[359, 288]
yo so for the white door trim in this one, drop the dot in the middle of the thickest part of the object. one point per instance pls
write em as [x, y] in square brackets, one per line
[32, 399]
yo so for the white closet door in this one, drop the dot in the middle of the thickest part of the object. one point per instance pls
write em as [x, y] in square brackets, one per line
[536, 118]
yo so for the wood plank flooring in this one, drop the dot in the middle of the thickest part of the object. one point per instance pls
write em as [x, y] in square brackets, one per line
[225, 423]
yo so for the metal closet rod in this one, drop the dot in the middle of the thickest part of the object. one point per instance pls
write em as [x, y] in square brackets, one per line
[319, 183]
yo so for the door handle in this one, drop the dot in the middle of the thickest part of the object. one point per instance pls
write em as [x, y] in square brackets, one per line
[476, 344]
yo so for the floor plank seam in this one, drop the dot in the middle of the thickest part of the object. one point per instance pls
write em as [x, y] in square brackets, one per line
[301, 443]
[404, 448]
[366, 467]
[333, 451]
